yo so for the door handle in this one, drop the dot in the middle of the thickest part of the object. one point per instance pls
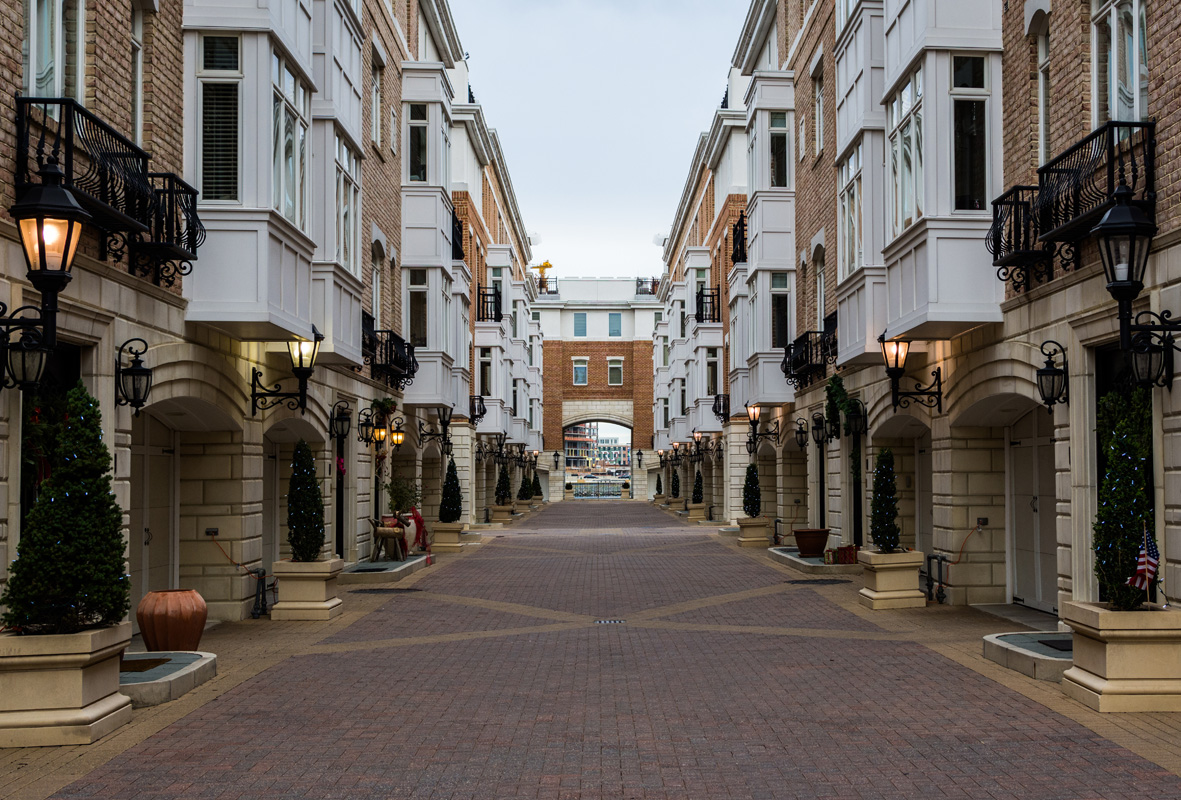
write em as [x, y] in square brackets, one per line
[1033, 504]
[147, 535]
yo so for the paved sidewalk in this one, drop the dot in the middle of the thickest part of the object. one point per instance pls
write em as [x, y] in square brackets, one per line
[635, 657]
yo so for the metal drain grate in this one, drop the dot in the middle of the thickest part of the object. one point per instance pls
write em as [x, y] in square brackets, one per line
[610, 621]
[819, 581]
[384, 591]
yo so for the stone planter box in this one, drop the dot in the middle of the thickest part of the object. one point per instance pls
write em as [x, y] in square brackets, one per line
[538, 500]
[62, 688]
[502, 513]
[625, 494]
[658, 500]
[754, 532]
[307, 590]
[1124, 660]
[447, 537]
[696, 512]
[891, 579]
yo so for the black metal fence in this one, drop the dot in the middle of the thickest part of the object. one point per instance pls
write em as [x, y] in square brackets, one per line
[599, 490]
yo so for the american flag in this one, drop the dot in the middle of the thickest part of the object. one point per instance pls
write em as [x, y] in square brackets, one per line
[1145, 565]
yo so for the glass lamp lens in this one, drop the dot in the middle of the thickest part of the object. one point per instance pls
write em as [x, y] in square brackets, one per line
[25, 365]
[60, 240]
[397, 437]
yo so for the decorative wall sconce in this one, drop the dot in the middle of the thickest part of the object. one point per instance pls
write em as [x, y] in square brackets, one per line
[819, 429]
[340, 422]
[477, 408]
[801, 433]
[753, 414]
[443, 434]
[894, 354]
[1052, 380]
[133, 383]
[856, 417]
[303, 362]
[557, 459]
[721, 408]
[639, 458]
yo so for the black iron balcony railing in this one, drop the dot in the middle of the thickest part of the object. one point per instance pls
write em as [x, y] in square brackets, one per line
[176, 232]
[647, 285]
[547, 286]
[456, 238]
[805, 359]
[368, 337]
[1013, 240]
[738, 255]
[721, 407]
[488, 306]
[1076, 188]
[393, 360]
[709, 305]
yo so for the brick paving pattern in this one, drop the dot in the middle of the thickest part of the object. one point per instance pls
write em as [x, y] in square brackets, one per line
[725, 681]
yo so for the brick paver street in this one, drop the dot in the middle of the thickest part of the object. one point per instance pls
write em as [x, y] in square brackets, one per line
[607, 650]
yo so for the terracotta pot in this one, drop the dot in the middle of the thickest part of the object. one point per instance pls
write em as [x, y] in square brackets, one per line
[173, 619]
[811, 541]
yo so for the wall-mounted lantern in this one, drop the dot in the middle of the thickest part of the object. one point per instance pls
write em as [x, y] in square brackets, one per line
[443, 433]
[303, 362]
[340, 422]
[894, 354]
[1052, 380]
[133, 383]
[753, 415]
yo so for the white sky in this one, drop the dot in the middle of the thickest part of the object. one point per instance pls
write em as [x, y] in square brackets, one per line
[609, 430]
[599, 104]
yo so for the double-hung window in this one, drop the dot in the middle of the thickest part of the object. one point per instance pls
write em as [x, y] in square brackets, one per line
[615, 372]
[219, 79]
[486, 371]
[969, 98]
[615, 324]
[419, 287]
[779, 158]
[1119, 50]
[849, 210]
[904, 123]
[820, 298]
[712, 371]
[137, 74]
[779, 310]
[580, 323]
[818, 111]
[289, 143]
[348, 206]
[580, 372]
[53, 52]
[1043, 97]
[375, 287]
[419, 132]
[375, 97]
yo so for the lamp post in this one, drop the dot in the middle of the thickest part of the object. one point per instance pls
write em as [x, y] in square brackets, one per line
[858, 420]
[820, 437]
[1125, 238]
[338, 428]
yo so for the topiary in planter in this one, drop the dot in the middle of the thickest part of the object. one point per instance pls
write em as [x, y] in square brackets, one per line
[883, 508]
[451, 503]
[569, 486]
[536, 484]
[676, 484]
[659, 487]
[1125, 508]
[305, 506]
[627, 485]
[752, 495]
[525, 491]
[69, 573]
[698, 489]
[504, 490]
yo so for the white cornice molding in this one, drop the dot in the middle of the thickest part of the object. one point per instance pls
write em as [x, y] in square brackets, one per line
[725, 122]
[696, 166]
[759, 18]
[438, 18]
[472, 117]
[510, 196]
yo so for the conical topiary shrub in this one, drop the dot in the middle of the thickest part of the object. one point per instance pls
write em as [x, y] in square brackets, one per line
[676, 484]
[883, 508]
[536, 484]
[525, 490]
[305, 506]
[504, 491]
[752, 495]
[69, 573]
[451, 503]
[659, 486]
[1125, 509]
[698, 489]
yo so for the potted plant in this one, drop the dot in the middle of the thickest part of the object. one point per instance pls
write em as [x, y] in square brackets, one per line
[307, 582]
[625, 491]
[67, 595]
[525, 492]
[753, 529]
[658, 499]
[676, 484]
[697, 501]
[891, 574]
[448, 535]
[502, 511]
[569, 492]
[1125, 648]
[538, 497]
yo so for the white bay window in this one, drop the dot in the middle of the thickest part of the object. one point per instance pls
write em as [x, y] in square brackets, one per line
[904, 122]
[291, 108]
[348, 206]
[849, 210]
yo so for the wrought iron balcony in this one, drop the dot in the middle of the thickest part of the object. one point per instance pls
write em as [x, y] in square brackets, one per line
[488, 307]
[805, 359]
[647, 285]
[456, 238]
[393, 360]
[1013, 239]
[368, 337]
[176, 232]
[1076, 188]
[721, 408]
[547, 286]
[709, 305]
[738, 255]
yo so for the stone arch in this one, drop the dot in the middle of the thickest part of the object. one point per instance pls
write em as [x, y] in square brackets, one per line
[600, 411]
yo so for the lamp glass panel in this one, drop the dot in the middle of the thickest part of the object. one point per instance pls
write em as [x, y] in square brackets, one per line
[1148, 363]
[136, 384]
[61, 242]
[25, 364]
[894, 354]
[303, 353]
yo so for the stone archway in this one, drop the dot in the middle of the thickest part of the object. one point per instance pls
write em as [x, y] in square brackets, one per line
[616, 412]
[620, 412]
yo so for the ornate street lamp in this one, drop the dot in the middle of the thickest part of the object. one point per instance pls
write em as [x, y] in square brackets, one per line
[133, 383]
[894, 354]
[753, 414]
[801, 433]
[340, 422]
[1052, 381]
[443, 413]
[303, 362]
[1125, 238]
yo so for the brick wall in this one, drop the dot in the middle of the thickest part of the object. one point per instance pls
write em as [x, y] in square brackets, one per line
[558, 381]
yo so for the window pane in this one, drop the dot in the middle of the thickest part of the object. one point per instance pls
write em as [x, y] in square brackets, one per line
[967, 72]
[778, 120]
[615, 374]
[580, 323]
[616, 324]
[779, 320]
[417, 153]
[1143, 63]
[779, 159]
[288, 164]
[907, 176]
[1127, 50]
[918, 163]
[580, 374]
[418, 113]
[219, 141]
[970, 156]
[1103, 69]
[778, 280]
[418, 325]
[418, 277]
[220, 53]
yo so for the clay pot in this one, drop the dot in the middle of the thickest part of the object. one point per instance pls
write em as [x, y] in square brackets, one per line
[173, 619]
[811, 541]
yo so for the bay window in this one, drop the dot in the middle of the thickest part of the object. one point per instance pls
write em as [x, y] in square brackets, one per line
[778, 149]
[969, 132]
[1120, 59]
[904, 121]
[417, 167]
[291, 107]
[849, 212]
[418, 307]
[348, 206]
[53, 51]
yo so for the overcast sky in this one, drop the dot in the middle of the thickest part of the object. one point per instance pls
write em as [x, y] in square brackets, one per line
[598, 104]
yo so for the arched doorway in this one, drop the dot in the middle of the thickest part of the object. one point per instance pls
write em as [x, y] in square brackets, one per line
[597, 458]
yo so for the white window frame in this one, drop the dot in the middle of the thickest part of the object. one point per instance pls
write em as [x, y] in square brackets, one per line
[613, 363]
[376, 116]
[584, 364]
[611, 316]
[394, 130]
[904, 110]
[411, 126]
[137, 73]
[348, 196]
[418, 289]
[218, 76]
[485, 358]
[818, 110]
[849, 212]
[1043, 97]
[585, 324]
[35, 43]
[1108, 11]
[713, 371]
[977, 95]
[375, 291]
[291, 97]
[820, 291]
[780, 291]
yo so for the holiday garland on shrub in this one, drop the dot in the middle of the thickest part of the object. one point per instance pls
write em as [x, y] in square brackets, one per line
[69, 573]
[883, 508]
[752, 495]
[676, 483]
[659, 487]
[305, 506]
[698, 489]
[451, 503]
[504, 491]
[1125, 508]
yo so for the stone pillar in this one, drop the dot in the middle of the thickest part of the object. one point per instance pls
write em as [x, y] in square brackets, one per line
[462, 443]
[735, 462]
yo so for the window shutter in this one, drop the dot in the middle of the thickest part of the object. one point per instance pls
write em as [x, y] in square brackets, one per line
[580, 324]
[219, 141]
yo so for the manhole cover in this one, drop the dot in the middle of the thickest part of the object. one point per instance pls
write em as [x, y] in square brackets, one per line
[819, 581]
[384, 591]
[610, 621]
